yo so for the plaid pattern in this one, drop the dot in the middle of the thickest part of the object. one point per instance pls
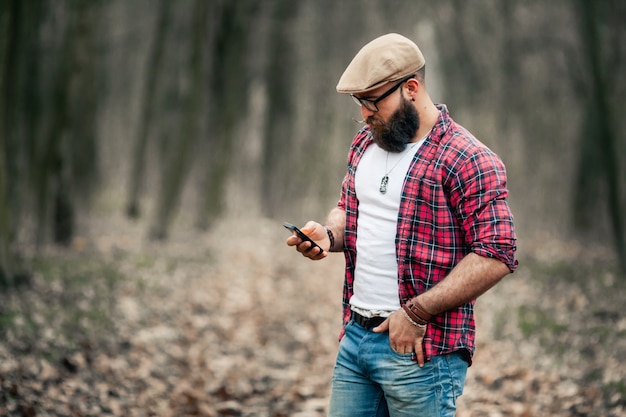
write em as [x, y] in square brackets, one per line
[453, 202]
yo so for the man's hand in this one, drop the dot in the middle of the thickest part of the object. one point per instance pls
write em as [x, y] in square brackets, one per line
[316, 232]
[404, 337]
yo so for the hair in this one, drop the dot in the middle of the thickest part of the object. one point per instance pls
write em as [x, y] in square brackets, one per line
[420, 75]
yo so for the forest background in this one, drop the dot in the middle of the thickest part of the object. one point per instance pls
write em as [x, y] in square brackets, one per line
[173, 118]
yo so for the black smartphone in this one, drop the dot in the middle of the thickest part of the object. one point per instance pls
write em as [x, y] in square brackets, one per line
[302, 236]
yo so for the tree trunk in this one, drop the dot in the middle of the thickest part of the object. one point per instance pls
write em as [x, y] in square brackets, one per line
[229, 86]
[277, 164]
[153, 71]
[602, 125]
[9, 19]
[176, 171]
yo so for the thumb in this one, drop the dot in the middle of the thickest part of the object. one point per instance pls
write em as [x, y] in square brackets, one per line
[383, 327]
[309, 228]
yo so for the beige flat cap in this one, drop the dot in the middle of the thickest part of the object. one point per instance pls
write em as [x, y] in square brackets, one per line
[387, 58]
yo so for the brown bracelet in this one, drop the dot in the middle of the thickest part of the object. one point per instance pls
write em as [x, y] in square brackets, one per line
[410, 320]
[331, 237]
[414, 317]
[419, 310]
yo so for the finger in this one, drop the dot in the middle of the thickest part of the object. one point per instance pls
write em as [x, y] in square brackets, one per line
[310, 251]
[303, 246]
[293, 240]
[314, 249]
[418, 356]
[309, 228]
[316, 254]
[382, 327]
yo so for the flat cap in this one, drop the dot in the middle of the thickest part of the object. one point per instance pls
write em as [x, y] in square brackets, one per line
[387, 58]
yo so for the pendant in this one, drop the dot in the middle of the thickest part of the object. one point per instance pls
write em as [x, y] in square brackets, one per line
[383, 184]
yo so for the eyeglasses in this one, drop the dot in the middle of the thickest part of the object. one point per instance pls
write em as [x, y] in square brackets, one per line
[371, 105]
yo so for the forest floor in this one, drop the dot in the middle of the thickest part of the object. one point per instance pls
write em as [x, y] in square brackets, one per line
[234, 323]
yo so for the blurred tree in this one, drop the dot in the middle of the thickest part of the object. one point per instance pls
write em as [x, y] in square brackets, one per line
[599, 156]
[65, 159]
[276, 166]
[9, 21]
[48, 128]
[19, 114]
[153, 71]
[229, 81]
[6, 260]
[177, 167]
[49, 167]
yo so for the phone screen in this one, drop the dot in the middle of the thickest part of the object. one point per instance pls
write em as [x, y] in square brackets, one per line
[301, 235]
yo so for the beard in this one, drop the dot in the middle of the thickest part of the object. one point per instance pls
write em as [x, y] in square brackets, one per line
[398, 131]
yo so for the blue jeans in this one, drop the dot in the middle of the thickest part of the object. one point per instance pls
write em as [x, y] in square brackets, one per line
[371, 380]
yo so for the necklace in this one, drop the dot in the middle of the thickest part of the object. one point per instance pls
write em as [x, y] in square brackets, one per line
[385, 180]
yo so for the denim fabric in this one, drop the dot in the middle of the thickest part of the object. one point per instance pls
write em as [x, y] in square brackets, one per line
[371, 380]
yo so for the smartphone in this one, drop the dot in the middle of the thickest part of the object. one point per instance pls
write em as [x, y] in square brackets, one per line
[302, 236]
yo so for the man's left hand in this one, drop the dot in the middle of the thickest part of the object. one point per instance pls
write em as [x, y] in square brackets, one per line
[404, 337]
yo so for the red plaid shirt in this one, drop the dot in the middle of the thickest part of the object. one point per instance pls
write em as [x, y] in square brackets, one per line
[453, 202]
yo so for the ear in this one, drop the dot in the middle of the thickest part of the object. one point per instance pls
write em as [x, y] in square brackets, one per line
[412, 85]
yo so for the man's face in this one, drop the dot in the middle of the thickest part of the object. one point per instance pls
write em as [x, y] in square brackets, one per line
[402, 125]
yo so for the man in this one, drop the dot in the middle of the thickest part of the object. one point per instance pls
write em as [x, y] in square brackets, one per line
[425, 228]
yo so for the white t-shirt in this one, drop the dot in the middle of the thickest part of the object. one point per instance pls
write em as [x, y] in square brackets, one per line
[376, 270]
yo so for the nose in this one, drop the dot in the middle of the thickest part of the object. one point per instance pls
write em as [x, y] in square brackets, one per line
[365, 112]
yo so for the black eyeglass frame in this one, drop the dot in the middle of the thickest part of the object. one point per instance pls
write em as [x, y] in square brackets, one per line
[371, 105]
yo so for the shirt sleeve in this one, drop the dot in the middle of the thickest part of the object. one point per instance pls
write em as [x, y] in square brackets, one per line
[356, 149]
[480, 196]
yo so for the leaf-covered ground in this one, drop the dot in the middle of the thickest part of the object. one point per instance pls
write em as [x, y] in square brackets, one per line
[234, 323]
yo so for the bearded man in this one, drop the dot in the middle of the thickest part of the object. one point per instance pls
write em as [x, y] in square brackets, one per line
[425, 228]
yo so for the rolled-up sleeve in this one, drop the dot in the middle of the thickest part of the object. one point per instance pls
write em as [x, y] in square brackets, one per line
[480, 195]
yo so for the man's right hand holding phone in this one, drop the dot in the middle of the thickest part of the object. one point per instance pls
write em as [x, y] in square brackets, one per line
[321, 243]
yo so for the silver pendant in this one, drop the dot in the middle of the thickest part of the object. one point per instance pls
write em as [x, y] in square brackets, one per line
[383, 184]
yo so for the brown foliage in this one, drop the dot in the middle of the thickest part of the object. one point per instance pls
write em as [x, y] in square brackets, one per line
[234, 323]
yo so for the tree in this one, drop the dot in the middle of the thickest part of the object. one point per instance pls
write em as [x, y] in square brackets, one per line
[153, 70]
[8, 18]
[65, 158]
[280, 113]
[177, 166]
[599, 144]
[229, 81]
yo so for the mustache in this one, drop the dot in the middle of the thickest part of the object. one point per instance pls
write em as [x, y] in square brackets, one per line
[374, 121]
[370, 121]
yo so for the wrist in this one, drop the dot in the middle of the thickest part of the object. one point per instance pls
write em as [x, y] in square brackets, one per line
[331, 237]
[418, 310]
[412, 318]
